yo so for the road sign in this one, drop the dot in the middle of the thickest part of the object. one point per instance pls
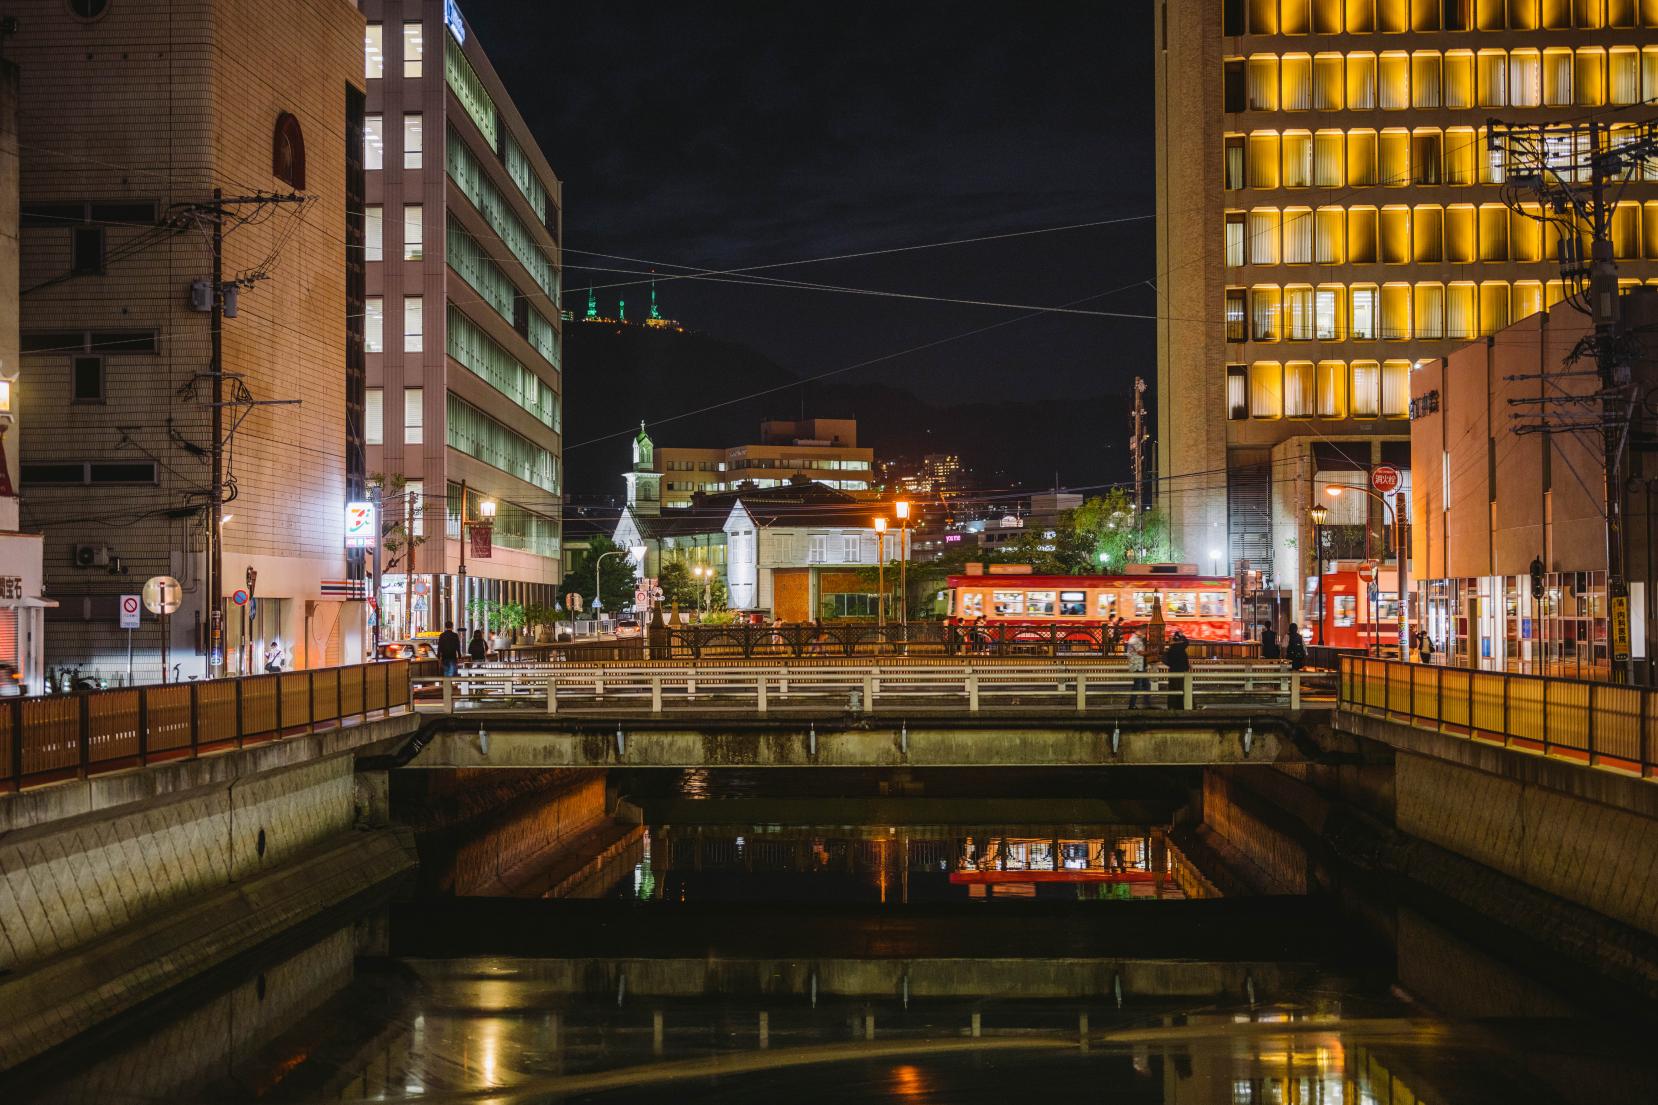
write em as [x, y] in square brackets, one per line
[129, 611]
[1385, 478]
[239, 597]
[162, 595]
[1367, 571]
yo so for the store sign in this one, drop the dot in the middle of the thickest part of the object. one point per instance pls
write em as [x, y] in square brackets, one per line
[1620, 628]
[452, 19]
[11, 587]
[1426, 403]
[483, 542]
[359, 525]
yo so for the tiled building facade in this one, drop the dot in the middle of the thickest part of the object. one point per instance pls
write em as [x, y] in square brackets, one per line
[463, 327]
[1330, 216]
[130, 115]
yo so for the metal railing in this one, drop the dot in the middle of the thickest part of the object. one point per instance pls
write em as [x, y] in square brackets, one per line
[45, 739]
[930, 638]
[965, 687]
[1599, 724]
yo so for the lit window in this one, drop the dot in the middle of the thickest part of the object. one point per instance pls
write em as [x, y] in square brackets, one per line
[1589, 78]
[1332, 389]
[1361, 81]
[1395, 158]
[1528, 298]
[1557, 77]
[374, 51]
[1263, 159]
[1366, 391]
[1395, 321]
[1624, 72]
[412, 140]
[1296, 77]
[374, 416]
[1361, 16]
[1525, 78]
[1428, 233]
[1265, 303]
[1493, 232]
[1294, 17]
[1327, 17]
[1363, 297]
[1425, 87]
[414, 49]
[1298, 236]
[1392, 16]
[1491, 86]
[1493, 306]
[1329, 156]
[1460, 310]
[1557, 15]
[374, 325]
[1237, 315]
[1298, 312]
[414, 233]
[1263, 82]
[1263, 236]
[414, 416]
[1395, 389]
[1461, 237]
[1329, 234]
[1237, 391]
[414, 328]
[1234, 163]
[1525, 233]
[1393, 80]
[1300, 389]
[1361, 236]
[374, 142]
[1430, 310]
[1522, 15]
[1425, 155]
[1424, 15]
[1327, 312]
[374, 232]
[1329, 83]
[1462, 155]
[1298, 159]
[1361, 157]
[1459, 78]
[1266, 390]
[1263, 17]
[1235, 255]
[1649, 230]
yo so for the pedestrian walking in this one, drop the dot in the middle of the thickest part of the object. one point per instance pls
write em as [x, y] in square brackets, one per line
[477, 649]
[449, 650]
[1135, 649]
[273, 657]
[1424, 647]
[1269, 644]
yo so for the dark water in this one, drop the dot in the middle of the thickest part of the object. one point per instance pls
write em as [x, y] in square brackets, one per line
[822, 953]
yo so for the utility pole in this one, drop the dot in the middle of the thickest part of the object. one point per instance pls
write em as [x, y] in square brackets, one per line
[214, 213]
[1136, 446]
[1547, 162]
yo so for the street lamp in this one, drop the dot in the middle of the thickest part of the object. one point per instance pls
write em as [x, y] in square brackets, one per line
[1318, 512]
[597, 594]
[902, 509]
[704, 575]
[1394, 520]
[880, 573]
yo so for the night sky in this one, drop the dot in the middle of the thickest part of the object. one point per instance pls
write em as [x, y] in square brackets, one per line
[725, 136]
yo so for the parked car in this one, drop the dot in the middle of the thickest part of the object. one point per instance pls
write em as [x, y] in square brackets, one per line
[627, 627]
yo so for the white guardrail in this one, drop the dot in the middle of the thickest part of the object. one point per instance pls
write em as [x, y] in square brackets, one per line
[862, 688]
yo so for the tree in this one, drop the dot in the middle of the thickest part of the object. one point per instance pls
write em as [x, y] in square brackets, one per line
[616, 578]
[395, 539]
[680, 586]
[1109, 527]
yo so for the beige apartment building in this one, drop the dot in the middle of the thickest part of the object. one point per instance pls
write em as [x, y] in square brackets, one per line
[1330, 217]
[130, 116]
[824, 450]
[463, 332]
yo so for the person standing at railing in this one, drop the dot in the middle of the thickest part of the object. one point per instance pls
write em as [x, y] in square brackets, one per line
[1269, 643]
[449, 650]
[1135, 649]
[273, 657]
[1295, 651]
[477, 649]
[1177, 660]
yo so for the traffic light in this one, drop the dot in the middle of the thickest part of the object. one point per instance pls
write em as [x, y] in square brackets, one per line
[1536, 577]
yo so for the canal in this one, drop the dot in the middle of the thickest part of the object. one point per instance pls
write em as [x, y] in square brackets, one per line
[858, 936]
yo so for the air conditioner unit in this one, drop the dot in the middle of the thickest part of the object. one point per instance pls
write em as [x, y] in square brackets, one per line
[91, 556]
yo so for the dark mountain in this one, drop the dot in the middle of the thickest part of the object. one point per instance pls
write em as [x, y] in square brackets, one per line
[693, 389]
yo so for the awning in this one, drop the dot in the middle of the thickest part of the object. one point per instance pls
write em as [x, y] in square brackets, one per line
[28, 603]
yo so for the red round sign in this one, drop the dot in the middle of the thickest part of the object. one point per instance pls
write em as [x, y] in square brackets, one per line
[1367, 571]
[1385, 479]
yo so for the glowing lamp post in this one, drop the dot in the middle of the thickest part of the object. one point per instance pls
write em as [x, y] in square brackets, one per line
[1319, 513]
[902, 509]
[880, 573]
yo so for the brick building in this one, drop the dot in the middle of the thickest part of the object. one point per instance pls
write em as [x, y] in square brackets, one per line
[130, 116]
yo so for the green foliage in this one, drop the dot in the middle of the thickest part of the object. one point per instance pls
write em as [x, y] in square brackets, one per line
[1107, 524]
[680, 586]
[496, 614]
[615, 576]
[395, 542]
[536, 614]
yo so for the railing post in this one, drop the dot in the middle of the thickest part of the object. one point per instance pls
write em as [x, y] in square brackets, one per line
[143, 726]
[1082, 692]
[84, 726]
[760, 692]
[195, 719]
[552, 692]
[656, 693]
[240, 729]
[1295, 690]
[972, 692]
[448, 695]
[1186, 690]
[869, 694]
[16, 708]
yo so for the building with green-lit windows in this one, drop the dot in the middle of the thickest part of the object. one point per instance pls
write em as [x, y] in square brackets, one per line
[462, 328]
[1332, 217]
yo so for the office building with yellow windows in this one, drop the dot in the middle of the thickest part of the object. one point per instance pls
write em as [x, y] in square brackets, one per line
[1331, 215]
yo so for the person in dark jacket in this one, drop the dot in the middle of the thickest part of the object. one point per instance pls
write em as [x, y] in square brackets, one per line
[1176, 659]
[449, 650]
[1296, 651]
[477, 649]
[1269, 644]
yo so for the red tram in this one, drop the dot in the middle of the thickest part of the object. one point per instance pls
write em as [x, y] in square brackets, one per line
[1202, 607]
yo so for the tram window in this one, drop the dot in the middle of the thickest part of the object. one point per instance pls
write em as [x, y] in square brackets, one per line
[1179, 604]
[1389, 606]
[1345, 610]
[1009, 602]
[1042, 602]
[972, 604]
[1073, 604]
[1108, 604]
[1212, 604]
[1142, 603]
